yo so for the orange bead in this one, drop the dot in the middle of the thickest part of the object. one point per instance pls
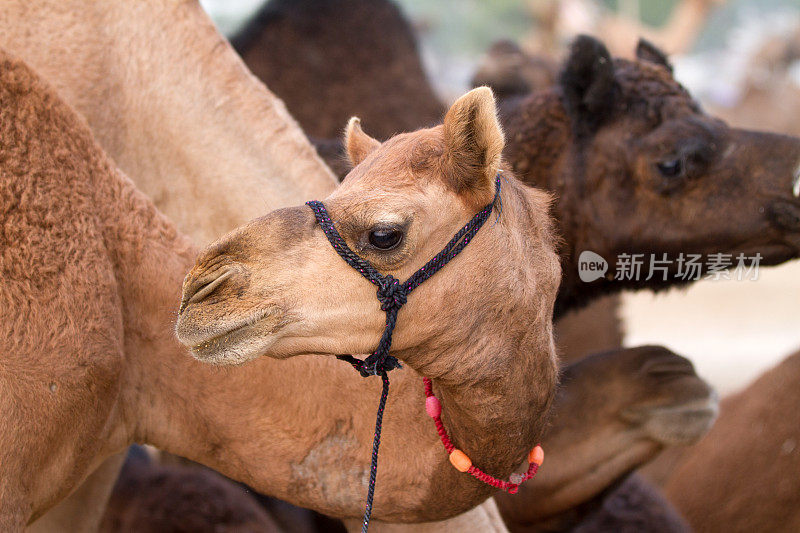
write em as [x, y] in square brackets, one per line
[460, 460]
[536, 455]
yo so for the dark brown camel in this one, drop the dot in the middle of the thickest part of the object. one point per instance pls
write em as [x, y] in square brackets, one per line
[330, 60]
[637, 167]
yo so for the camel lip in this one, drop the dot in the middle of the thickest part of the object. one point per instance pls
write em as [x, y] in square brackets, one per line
[239, 343]
[214, 335]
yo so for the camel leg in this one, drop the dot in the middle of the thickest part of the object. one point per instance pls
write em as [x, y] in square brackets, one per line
[82, 510]
[484, 518]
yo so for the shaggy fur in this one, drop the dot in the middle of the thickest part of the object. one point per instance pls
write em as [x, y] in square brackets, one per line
[89, 294]
[596, 141]
[170, 101]
[627, 405]
[332, 59]
[745, 469]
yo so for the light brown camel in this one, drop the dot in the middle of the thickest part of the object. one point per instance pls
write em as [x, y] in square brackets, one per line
[626, 405]
[745, 469]
[202, 122]
[91, 363]
[412, 178]
[172, 104]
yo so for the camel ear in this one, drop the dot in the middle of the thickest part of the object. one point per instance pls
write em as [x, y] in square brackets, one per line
[473, 140]
[647, 51]
[357, 143]
[587, 82]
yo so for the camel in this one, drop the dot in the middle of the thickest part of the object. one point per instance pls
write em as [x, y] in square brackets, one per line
[332, 59]
[194, 127]
[620, 138]
[631, 404]
[253, 138]
[225, 318]
[89, 300]
[744, 469]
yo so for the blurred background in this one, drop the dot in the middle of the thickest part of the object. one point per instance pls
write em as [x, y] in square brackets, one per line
[739, 58]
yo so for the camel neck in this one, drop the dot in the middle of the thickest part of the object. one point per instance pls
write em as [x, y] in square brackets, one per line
[183, 117]
[484, 377]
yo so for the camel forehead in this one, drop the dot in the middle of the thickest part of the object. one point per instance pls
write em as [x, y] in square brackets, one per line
[402, 161]
[653, 86]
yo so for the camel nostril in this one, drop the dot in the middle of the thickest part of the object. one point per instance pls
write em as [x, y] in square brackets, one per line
[200, 288]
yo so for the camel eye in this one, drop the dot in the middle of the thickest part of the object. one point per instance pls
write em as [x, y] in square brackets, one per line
[670, 168]
[385, 238]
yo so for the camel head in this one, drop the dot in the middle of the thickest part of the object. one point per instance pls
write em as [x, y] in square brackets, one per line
[276, 286]
[638, 167]
[614, 411]
[655, 169]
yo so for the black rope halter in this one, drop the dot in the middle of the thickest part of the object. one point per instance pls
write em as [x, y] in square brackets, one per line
[392, 296]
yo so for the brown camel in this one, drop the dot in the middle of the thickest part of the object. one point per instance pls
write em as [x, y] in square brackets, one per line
[627, 404]
[92, 366]
[170, 101]
[745, 469]
[630, 404]
[300, 312]
[330, 60]
[637, 167]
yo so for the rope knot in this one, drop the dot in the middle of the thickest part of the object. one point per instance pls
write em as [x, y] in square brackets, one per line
[391, 293]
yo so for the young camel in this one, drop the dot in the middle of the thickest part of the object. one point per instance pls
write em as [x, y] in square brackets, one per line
[172, 104]
[330, 60]
[91, 364]
[627, 404]
[746, 468]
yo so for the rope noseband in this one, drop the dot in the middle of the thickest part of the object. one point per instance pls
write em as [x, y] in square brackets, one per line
[392, 295]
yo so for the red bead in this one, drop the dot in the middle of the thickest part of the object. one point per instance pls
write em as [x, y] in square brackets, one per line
[433, 407]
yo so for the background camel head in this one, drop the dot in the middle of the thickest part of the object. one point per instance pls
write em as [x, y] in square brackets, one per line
[276, 286]
[648, 171]
[613, 412]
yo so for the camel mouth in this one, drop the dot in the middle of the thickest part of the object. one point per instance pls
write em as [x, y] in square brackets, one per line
[796, 183]
[684, 423]
[236, 342]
